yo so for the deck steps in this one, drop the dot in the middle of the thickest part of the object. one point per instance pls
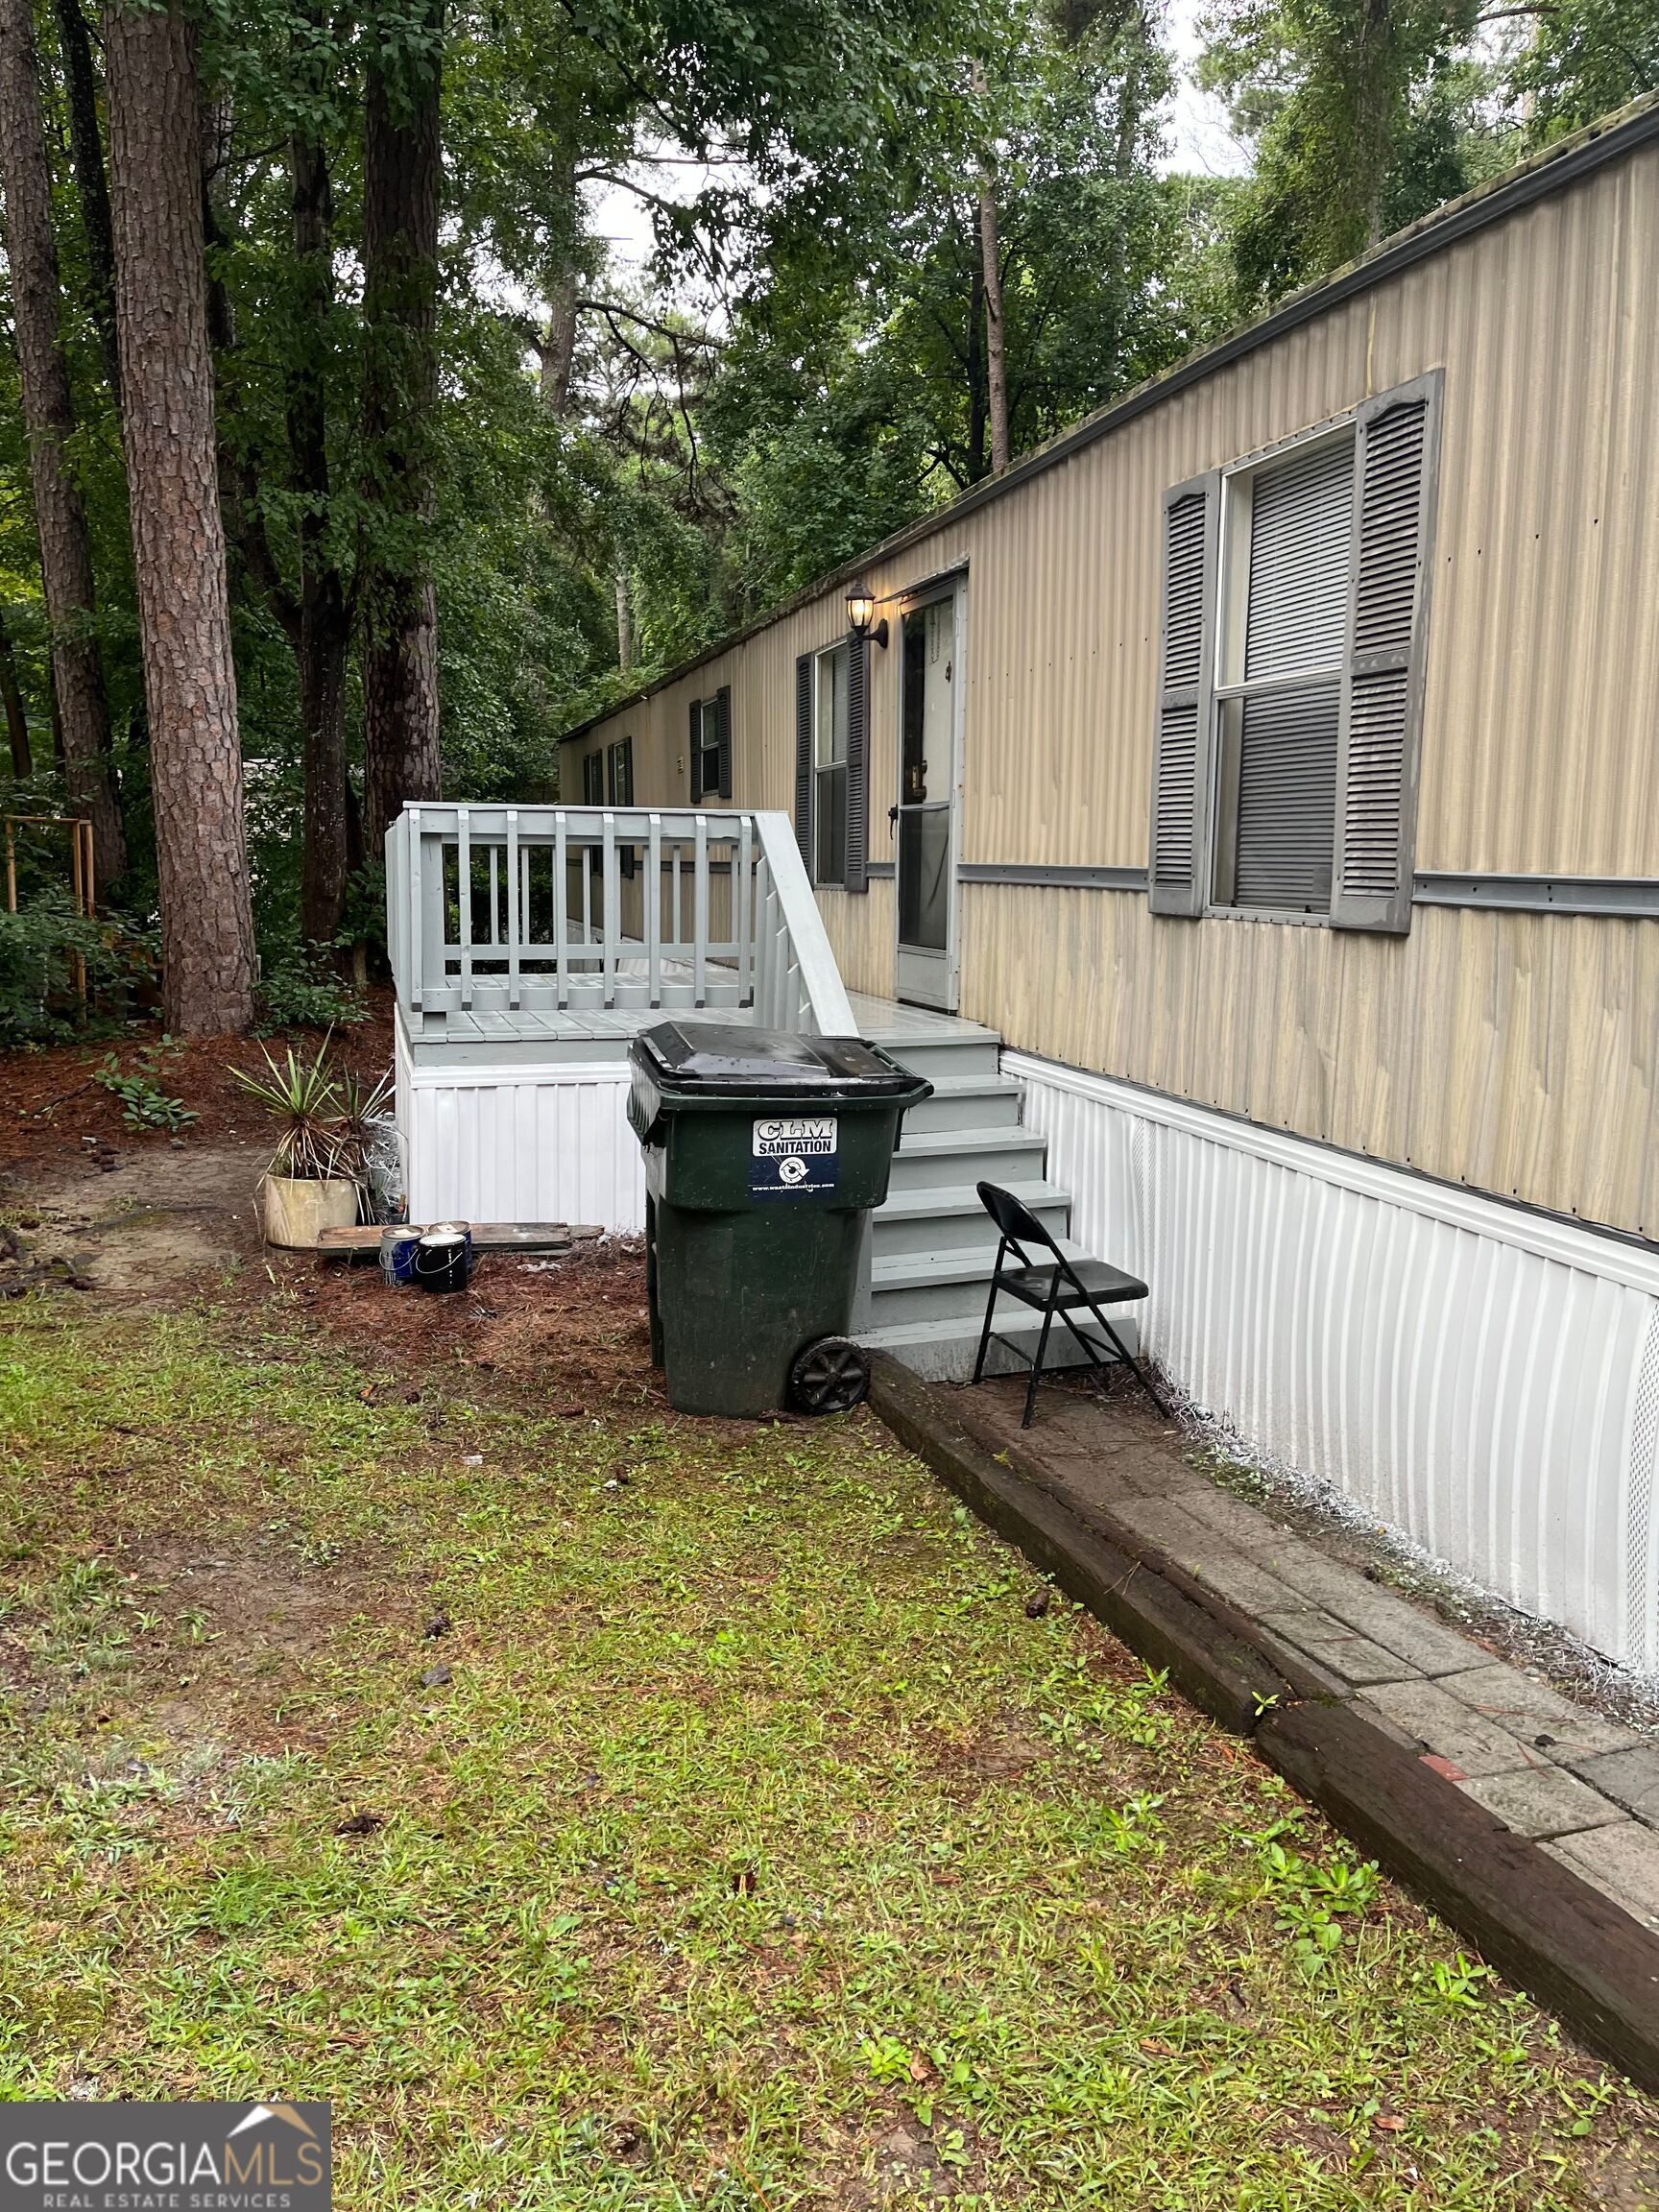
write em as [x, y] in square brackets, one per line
[932, 1245]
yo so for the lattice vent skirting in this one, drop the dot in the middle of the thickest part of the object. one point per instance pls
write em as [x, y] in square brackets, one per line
[1641, 1565]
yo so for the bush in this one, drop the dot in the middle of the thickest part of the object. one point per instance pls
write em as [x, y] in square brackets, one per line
[301, 988]
[38, 944]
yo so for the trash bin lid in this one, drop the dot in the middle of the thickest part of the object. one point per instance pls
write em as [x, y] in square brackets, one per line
[769, 1063]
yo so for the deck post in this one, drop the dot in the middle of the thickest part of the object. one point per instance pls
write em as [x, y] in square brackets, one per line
[743, 912]
[561, 911]
[700, 918]
[416, 935]
[515, 904]
[653, 903]
[463, 902]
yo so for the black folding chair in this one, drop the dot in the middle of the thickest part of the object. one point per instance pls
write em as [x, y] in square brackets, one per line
[1057, 1285]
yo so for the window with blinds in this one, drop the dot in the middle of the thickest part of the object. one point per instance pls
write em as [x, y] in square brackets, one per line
[1287, 554]
[1292, 649]
[831, 726]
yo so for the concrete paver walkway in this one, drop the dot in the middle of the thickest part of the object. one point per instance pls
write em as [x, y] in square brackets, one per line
[1585, 1788]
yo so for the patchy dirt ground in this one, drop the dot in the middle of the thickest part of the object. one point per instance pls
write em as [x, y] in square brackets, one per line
[53, 1112]
[91, 1200]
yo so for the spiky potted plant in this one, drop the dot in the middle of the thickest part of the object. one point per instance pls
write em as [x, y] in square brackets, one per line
[308, 1187]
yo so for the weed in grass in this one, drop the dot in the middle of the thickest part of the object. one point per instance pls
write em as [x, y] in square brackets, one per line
[144, 1103]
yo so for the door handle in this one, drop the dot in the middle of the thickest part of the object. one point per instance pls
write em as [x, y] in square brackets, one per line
[892, 816]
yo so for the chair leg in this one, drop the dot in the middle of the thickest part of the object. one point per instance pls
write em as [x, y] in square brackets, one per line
[1037, 1365]
[990, 1310]
[1131, 1363]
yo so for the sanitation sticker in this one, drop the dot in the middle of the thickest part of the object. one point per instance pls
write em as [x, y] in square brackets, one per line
[794, 1158]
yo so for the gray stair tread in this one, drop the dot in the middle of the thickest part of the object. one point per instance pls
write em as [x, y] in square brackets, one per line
[987, 1086]
[935, 1030]
[951, 1198]
[961, 1263]
[1003, 1137]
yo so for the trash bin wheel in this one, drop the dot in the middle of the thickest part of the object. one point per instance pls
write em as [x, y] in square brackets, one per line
[831, 1376]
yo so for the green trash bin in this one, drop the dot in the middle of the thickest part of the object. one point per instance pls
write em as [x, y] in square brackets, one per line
[764, 1152]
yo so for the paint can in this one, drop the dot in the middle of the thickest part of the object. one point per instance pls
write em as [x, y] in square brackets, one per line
[443, 1257]
[398, 1255]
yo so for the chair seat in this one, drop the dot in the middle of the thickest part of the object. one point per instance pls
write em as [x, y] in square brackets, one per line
[1102, 1285]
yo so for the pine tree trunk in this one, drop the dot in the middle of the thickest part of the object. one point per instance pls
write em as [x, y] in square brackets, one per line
[11, 694]
[49, 418]
[624, 623]
[91, 185]
[324, 620]
[991, 267]
[401, 176]
[995, 365]
[976, 371]
[177, 534]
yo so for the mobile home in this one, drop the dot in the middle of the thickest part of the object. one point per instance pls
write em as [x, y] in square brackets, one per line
[1261, 784]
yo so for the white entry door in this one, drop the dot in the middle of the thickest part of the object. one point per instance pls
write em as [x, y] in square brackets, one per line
[930, 795]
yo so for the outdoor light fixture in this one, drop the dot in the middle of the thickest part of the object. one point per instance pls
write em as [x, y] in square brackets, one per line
[861, 614]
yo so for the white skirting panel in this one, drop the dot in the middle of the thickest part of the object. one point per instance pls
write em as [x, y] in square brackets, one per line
[1484, 1380]
[521, 1144]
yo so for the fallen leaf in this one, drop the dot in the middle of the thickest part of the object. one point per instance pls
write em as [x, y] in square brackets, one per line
[1158, 2047]
[1389, 2123]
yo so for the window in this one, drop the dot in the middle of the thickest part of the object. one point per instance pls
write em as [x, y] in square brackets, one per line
[1290, 674]
[831, 723]
[711, 748]
[619, 772]
[831, 763]
[593, 779]
[1287, 543]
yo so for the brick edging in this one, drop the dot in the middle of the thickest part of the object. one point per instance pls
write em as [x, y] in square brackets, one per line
[1554, 1936]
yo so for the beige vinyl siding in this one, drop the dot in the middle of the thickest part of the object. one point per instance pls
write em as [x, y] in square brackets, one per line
[1514, 1053]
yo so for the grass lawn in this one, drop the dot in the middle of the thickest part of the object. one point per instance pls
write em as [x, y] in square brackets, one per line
[744, 1839]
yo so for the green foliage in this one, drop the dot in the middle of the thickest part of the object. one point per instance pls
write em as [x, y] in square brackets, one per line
[1312, 1900]
[40, 946]
[302, 1098]
[324, 1116]
[1586, 57]
[301, 988]
[145, 1103]
[1361, 116]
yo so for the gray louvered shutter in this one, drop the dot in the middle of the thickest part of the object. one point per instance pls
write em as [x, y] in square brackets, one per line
[723, 734]
[804, 758]
[694, 751]
[1178, 875]
[1396, 466]
[857, 871]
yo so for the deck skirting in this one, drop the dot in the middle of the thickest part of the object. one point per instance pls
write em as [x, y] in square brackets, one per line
[517, 1142]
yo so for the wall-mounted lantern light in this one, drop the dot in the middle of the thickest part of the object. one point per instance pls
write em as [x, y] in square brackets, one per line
[861, 613]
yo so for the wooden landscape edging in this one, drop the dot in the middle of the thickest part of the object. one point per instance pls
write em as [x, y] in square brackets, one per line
[1554, 1936]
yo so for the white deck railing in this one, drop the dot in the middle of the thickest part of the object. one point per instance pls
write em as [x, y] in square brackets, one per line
[545, 911]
